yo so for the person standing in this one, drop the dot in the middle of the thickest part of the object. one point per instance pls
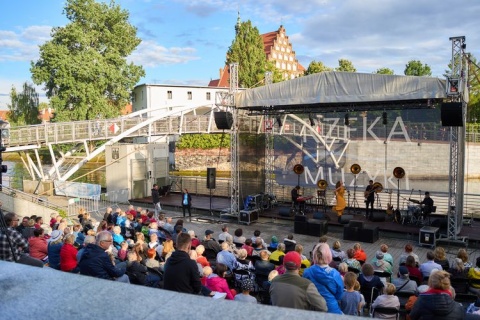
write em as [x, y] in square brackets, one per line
[156, 201]
[427, 205]
[339, 194]
[295, 194]
[186, 203]
[369, 199]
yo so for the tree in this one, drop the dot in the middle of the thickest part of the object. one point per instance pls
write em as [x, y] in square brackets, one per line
[24, 106]
[345, 65]
[84, 67]
[247, 49]
[416, 68]
[384, 71]
[473, 90]
[316, 67]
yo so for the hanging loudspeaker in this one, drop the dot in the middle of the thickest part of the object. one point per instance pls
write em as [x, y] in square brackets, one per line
[451, 114]
[223, 120]
[385, 118]
[211, 178]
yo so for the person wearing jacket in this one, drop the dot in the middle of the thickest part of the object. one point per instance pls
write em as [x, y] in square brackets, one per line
[96, 262]
[328, 280]
[217, 282]
[68, 255]
[181, 272]
[186, 203]
[438, 301]
[156, 200]
[38, 245]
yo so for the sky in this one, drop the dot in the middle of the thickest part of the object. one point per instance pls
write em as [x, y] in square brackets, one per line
[185, 41]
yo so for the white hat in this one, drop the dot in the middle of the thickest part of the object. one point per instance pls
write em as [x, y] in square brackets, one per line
[55, 235]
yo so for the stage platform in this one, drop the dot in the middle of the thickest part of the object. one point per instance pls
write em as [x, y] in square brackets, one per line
[204, 206]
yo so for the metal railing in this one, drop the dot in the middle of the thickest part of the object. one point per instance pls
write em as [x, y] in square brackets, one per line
[42, 201]
[96, 205]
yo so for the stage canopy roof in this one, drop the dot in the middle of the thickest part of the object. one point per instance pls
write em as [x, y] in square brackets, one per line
[343, 91]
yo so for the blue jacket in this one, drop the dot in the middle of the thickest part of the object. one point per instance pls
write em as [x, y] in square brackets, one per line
[54, 255]
[95, 262]
[329, 284]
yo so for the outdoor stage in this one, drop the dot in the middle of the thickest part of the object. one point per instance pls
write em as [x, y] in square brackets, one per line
[201, 207]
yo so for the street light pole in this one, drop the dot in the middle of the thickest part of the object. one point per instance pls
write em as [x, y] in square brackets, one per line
[3, 133]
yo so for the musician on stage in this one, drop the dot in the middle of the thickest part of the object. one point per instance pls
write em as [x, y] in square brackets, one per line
[295, 194]
[427, 205]
[369, 199]
[339, 194]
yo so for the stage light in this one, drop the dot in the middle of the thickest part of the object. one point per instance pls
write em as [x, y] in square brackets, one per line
[347, 121]
[385, 119]
[312, 121]
[279, 121]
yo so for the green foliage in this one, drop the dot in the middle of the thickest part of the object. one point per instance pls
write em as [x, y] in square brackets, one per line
[83, 67]
[384, 71]
[416, 68]
[203, 141]
[345, 65]
[473, 109]
[316, 67]
[247, 49]
[24, 106]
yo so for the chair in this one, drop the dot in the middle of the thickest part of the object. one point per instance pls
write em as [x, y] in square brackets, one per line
[276, 262]
[370, 294]
[416, 279]
[383, 274]
[337, 259]
[238, 245]
[210, 254]
[354, 270]
[289, 246]
[403, 297]
[385, 310]
[459, 284]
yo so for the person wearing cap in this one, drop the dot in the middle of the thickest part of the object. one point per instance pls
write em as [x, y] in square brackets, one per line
[403, 282]
[96, 262]
[380, 264]
[18, 244]
[427, 267]
[438, 301]
[289, 290]
[210, 243]
[247, 286]
[55, 244]
[327, 280]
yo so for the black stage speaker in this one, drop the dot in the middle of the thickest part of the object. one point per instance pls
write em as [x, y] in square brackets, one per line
[317, 228]
[320, 216]
[345, 219]
[285, 211]
[356, 224]
[223, 120]
[451, 114]
[377, 216]
[211, 178]
[300, 227]
[299, 217]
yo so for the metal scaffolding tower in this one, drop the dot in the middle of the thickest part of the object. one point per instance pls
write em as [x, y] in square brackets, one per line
[235, 170]
[268, 127]
[456, 82]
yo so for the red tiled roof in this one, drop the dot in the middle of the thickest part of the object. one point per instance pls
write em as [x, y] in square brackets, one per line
[4, 114]
[268, 41]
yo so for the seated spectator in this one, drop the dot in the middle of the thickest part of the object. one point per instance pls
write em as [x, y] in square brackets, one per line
[223, 236]
[429, 265]
[369, 280]
[244, 264]
[210, 243]
[238, 236]
[195, 240]
[413, 270]
[386, 256]
[248, 246]
[95, 262]
[256, 235]
[141, 252]
[168, 226]
[263, 266]
[154, 244]
[337, 253]
[273, 244]
[168, 248]
[258, 247]
[474, 273]
[38, 245]
[216, 282]
[403, 282]
[138, 273]
[200, 258]
[360, 254]
[280, 252]
[122, 253]
[351, 302]
[247, 287]
[305, 262]
[117, 237]
[438, 301]
[151, 262]
[54, 246]
[88, 239]
[441, 258]
[27, 233]
[343, 268]
[68, 255]
[387, 300]
[462, 254]
[380, 264]
[289, 243]
[227, 258]
[351, 261]
[408, 252]
[458, 272]
[38, 222]
[79, 236]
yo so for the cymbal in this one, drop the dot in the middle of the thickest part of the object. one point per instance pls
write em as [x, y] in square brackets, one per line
[414, 201]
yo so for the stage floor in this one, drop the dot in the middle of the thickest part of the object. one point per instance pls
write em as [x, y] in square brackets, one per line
[215, 205]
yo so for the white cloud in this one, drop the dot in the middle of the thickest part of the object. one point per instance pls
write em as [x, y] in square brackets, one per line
[22, 46]
[151, 54]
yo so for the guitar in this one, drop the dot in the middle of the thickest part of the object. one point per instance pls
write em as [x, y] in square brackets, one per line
[389, 204]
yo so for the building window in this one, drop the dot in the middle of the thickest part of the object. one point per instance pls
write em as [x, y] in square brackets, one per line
[169, 95]
[274, 55]
[283, 49]
[209, 96]
[134, 97]
[277, 64]
[189, 95]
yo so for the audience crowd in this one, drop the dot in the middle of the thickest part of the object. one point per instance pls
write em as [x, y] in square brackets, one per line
[135, 247]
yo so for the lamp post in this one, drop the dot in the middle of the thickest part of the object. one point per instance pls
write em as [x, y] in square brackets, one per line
[4, 127]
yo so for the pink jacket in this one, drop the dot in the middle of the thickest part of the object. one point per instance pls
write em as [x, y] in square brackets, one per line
[215, 283]
[38, 247]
